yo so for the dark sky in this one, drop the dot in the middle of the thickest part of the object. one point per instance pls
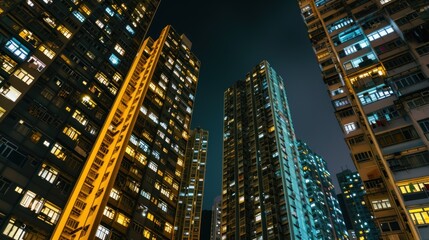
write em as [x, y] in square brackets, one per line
[230, 38]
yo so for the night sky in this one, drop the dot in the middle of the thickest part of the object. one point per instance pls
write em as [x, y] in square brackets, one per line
[230, 38]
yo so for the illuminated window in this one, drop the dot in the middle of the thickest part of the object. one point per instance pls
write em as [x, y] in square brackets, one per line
[150, 216]
[117, 77]
[380, 33]
[57, 150]
[14, 230]
[130, 29]
[141, 158]
[350, 127]
[71, 132]
[114, 194]
[381, 204]
[109, 212]
[153, 166]
[146, 234]
[48, 52]
[17, 48]
[110, 11]
[100, 24]
[102, 78]
[80, 117]
[50, 213]
[79, 16]
[63, 30]
[114, 59]
[119, 49]
[168, 227]
[48, 173]
[145, 194]
[420, 216]
[7, 63]
[36, 63]
[86, 100]
[31, 201]
[130, 150]
[133, 186]
[85, 9]
[102, 232]
[2, 111]
[24, 76]
[29, 37]
[49, 20]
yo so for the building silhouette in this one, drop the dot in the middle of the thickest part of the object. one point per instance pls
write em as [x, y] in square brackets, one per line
[63, 64]
[263, 193]
[216, 219]
[353, 196]
[189, 210]
[373, 58]
[327, 215]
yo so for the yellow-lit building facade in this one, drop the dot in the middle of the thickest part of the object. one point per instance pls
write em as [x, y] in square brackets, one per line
[63, 64]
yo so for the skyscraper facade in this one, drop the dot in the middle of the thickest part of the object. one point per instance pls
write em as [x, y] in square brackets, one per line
[189, 210]
[216, 219]
[63, 63]
[353, 196]
[144, 197]
[374, 55]
[328, 218]
[263, 193]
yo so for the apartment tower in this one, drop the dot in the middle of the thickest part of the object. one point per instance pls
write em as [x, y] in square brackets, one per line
[328, 218]
[353, 197]
[263, 193]
[216, 219]
[374, 59]
[190, 207]
[63, 64]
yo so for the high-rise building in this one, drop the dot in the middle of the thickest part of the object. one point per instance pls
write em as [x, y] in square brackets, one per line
[263, 193]
[374, 59]
[353, 194]
[328, 218]
[144, 197]
[63, 64]
[188, 217]
[216, 219]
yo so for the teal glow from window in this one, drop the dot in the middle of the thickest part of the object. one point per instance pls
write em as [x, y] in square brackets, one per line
[79, 16]
[114, 59]
[110, 11]
[17, 48]
[130, 29]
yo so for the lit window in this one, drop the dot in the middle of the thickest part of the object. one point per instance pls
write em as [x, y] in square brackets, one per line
[10, 93]
[102, 232]
[123, 220]
[62, 29]
[114, 194]
[17, 48]
[350, 127]
[130, 29]
[2, 111]
[50, 213]
[153, 166]
[29, 37]
[80, 117]
[100, 24]
[79, 16]
[102, 78]
[7, 63]
[110, 11]
[48, 173]
[85, 9]
[381, 204]
[119, 49]
[114, 59]
[49, 20]
[14, 230]
[380, 33]
[71, 132]
[168, 227]
[35, 63]
[48, 52]
[57, 150]
[109, 212]
[86, 100]
[24, 76]
[420, 216]
[117, 77]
